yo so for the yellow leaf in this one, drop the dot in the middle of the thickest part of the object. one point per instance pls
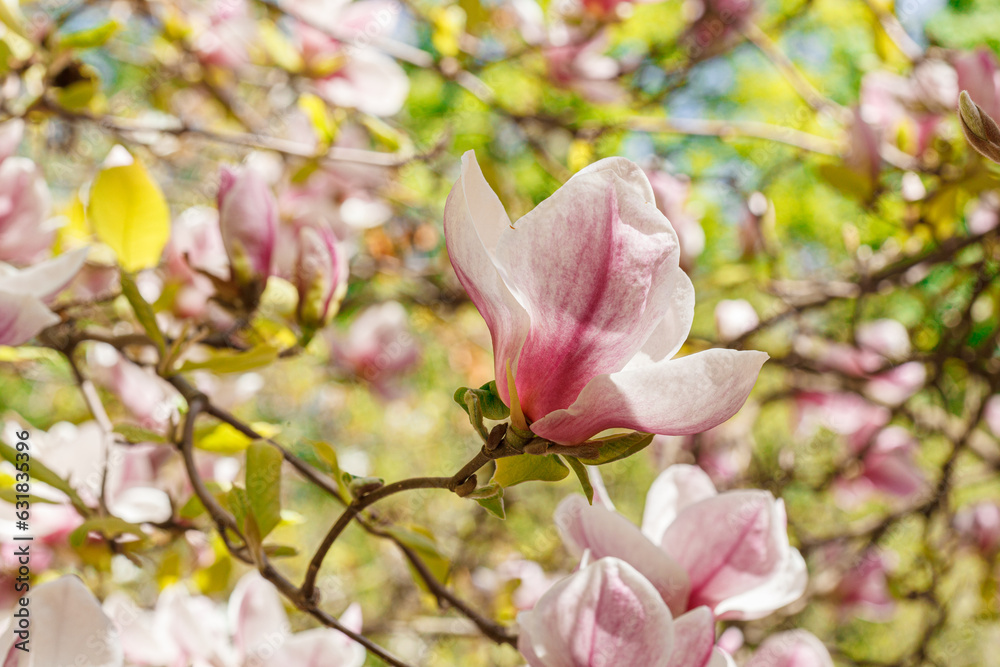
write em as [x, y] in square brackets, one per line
[128, 212]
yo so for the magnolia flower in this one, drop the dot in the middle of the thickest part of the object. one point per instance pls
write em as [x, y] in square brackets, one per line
[887, 466]
[979, 524]
[697, 547]
[796, 648]
[230, 31]
[24, 201]
[68, 627]
[248, 218]
[320, 277]
[349, 71]
[608, 615]
[378, 346]
[979, 73]
[672, 194]
[586, 305]
[24, 293]
[254, 632]
[864, 589]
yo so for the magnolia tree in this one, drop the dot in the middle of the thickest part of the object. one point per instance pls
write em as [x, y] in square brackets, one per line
[339, 333]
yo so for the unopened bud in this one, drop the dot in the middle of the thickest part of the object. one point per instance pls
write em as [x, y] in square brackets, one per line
[980, 130]
[248, 218]
[320, 277]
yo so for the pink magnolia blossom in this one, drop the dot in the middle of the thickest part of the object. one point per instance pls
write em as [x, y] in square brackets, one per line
[979, 524]
[248, 218]
[979, 75]
[24, 294]
[68, 627]
[583, 67]
[864, 589]
[895, 386]
[586, 303]
[25, 202]
[350, 71]
[887, 466]
[320, 276]
[608, 615]
[697, 547]
[672, 193]
[225, 41]
[532, 581]
[991, 414]
[255, 632]
[796, 648]
[378, 346]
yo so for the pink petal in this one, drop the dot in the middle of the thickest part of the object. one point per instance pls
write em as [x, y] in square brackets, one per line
[595, 266]
[676, 487]
[22, 316]
[786, 586]
[256, 614]
[370, 82]
[67, 625]
[796, 648]
[604, 615]
[474, 219]
[45, 279]
[694, 638]
[672, 397]
[728, 544]
[606, 533]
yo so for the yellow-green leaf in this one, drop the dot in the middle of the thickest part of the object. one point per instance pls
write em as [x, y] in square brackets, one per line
[143, 312]
[235, 361]
[263, 480]
[128, 212]
[513, 470]
[89, 38]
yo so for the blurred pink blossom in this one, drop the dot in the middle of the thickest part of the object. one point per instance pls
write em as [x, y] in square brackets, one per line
[979, 524]
[672, 193]
[350, 72]
[378, 346]
[795, 648]
[25, 203]
[24, 294]
[864, 589]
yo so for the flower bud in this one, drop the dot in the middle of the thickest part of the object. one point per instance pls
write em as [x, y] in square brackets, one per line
[248, 216]
[320, 277]
[981, 131]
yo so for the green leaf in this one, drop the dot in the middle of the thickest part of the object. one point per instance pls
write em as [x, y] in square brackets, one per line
[238, 504]
[513, 470]
[423, 545]
[329, 455]
[235, 361]
[108, 526]
[40, 472]
[263, 480]
[617, 447]
[581, 474]
[135, 434]
[89, 38]
[489, 401]
[128, 212]
[9, 494]
[280, 551]
[490, 498]
[143, 312]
